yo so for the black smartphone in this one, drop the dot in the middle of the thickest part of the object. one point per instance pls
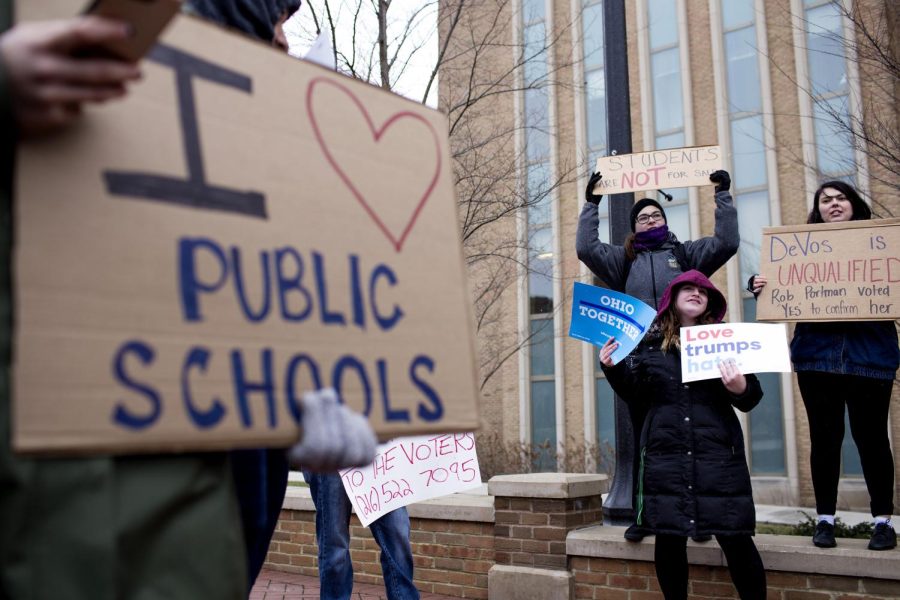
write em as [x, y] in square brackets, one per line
[147, 18]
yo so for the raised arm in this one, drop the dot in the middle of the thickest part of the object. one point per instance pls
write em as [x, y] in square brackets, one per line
[708, 254]
[604, 260]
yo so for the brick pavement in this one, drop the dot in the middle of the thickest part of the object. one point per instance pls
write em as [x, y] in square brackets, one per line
[275, 585]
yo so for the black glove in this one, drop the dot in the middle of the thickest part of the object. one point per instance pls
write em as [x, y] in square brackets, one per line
[589, 195]
[722, 180]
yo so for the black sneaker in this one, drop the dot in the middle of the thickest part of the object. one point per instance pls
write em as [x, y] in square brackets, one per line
[824, 536]
[883, 538]
[701, 538]
[635, 533]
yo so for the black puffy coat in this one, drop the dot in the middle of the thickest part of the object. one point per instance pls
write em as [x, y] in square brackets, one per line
[694, 478]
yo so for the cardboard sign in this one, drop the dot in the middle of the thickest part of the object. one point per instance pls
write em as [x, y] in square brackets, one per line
[831, 272]
[243, 228]
[412, 469]
[599, 313]
[755, 347]
[658, 169]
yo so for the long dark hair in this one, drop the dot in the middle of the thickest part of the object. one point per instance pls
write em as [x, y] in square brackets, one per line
[629, 247]
[861, 210]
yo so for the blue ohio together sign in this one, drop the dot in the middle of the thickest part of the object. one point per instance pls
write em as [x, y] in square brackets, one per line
[599, 313]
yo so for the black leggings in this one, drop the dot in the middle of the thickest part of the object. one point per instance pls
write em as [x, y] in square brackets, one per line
[868, 400]
[744, 564]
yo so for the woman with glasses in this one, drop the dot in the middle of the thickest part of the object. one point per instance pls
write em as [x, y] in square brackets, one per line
[651, 258]
[850, 363]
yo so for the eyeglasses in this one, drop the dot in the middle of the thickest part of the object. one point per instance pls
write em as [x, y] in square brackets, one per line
[644, 219]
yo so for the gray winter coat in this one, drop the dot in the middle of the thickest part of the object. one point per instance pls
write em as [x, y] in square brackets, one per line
[652, 270]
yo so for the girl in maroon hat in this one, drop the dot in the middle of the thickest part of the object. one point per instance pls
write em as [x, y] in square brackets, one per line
[694, 478]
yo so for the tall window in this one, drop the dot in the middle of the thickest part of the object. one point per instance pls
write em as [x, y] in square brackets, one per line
[751, 196]
[597, 141]
[668, 105]
[830, 89]
[536, 115]
[594, 80]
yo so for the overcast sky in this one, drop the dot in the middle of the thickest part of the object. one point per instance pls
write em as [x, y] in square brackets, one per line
[300, 31]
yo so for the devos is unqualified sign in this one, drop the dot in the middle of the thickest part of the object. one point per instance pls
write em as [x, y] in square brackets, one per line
[831, 272]
[599, 314]
[242, 228]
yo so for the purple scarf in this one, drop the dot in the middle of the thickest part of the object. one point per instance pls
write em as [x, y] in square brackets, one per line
[651, 239]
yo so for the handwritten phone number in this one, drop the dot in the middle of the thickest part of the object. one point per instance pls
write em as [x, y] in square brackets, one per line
[393, 489]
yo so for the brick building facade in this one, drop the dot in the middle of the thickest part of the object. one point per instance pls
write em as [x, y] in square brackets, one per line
[764, 79]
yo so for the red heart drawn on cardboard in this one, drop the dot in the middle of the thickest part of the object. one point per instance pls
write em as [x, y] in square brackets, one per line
[413, 180]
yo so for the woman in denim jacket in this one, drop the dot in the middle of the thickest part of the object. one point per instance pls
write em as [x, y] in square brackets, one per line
[853, 364]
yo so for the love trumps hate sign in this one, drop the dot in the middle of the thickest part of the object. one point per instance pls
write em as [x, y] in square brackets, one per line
[658, 169]
[412, 469]
[242, 228]
[831, 272]
[755, 347]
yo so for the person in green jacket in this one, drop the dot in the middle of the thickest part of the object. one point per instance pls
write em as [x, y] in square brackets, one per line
[111, 527]
[104, 527]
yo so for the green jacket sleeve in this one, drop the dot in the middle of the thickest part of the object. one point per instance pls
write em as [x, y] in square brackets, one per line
[8, 140]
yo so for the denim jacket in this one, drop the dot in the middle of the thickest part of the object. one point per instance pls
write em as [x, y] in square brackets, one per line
[865, 348]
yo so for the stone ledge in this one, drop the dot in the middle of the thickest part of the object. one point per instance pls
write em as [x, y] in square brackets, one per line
[779, 553]
[455, 507]
[507, 582]
[548, 485]
[298, 498]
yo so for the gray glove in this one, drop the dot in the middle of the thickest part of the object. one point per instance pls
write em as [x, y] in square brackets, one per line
[334, 437]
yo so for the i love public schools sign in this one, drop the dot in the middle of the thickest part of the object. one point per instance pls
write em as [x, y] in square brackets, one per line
[242, 228]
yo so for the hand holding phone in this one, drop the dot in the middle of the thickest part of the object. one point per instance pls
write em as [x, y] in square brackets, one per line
[50, 73]
[147, 19]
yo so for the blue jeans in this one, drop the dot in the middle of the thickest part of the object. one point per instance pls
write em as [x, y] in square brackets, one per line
[391, 532]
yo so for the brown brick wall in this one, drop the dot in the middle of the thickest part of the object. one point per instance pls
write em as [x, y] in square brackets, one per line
[293, 546]
[616, 579]
[455, 557]
[450, 557]
[531, 532]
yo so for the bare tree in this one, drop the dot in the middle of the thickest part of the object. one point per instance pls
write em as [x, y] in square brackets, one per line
[484, 74]
[379, 41]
